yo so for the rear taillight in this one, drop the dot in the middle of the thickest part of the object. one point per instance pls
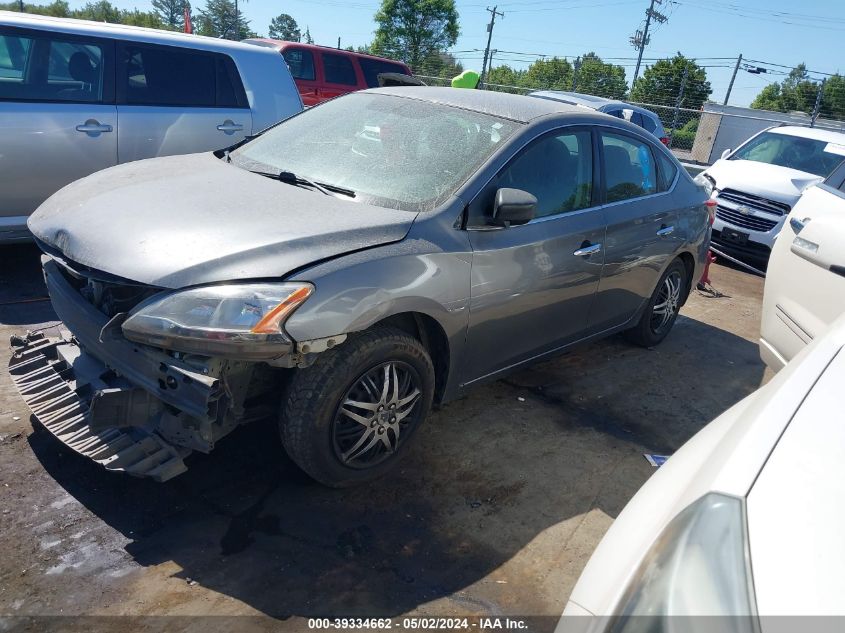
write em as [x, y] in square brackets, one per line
[665, 140]
[711, 210]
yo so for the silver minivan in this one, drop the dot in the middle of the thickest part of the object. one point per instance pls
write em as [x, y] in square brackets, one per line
[77, 97]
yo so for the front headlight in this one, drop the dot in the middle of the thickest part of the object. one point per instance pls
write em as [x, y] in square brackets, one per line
[705, 181]
[698, 566]
[239, 321]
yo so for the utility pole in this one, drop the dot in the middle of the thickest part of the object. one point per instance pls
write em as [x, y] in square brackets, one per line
[818, 105]
[678, 102]
[577, 66]
[20, 2]
[338, 42]
[733, 78]
[493, 14]
[640, 39]
[237, 22]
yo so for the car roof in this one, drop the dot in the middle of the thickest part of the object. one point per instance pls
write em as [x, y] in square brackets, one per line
[830, 136]
[280, 44]
[122, 31]
[501, 104]
[588, 101]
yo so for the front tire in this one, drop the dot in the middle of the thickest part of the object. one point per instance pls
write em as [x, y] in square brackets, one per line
[349, 417]
[662, 310]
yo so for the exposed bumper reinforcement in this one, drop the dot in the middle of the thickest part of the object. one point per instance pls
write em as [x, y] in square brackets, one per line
[43, 370]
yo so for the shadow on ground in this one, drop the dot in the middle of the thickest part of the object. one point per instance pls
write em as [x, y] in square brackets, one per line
[488, 475]
[22, 289]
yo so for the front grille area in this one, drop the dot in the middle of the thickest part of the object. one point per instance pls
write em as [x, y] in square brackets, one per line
[107, 295]
[755, 203]
[750, 222]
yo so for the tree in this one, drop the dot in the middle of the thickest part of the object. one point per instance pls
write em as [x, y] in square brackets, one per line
[284, 27]
[413, 30]
[217, 19]
[798, 93]
[306, 37]
[661, 83]
[595, 77]
[171, 12]
[550, 74]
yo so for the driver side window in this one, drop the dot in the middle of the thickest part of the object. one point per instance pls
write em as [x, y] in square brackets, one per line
[557, 170]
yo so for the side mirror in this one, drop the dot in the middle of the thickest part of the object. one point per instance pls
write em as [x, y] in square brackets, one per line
[513, 206]
[726, 153]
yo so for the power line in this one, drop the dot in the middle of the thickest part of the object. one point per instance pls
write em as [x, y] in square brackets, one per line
[493, 14]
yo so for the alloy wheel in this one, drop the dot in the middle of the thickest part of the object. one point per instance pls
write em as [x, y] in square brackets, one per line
[376, 415]
[668, 302]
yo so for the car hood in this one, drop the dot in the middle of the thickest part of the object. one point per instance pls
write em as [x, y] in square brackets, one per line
[186, 220]
[761, 179]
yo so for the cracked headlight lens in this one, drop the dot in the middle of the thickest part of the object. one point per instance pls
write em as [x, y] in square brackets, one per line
[241, 321]
[699, 566]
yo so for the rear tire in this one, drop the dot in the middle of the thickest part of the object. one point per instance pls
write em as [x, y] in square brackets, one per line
[662, 310]
[348, 418]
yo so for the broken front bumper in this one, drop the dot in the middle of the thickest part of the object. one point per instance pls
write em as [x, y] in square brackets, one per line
[128, 407]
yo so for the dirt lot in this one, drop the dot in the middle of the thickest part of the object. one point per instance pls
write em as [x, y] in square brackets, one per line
[495, 512]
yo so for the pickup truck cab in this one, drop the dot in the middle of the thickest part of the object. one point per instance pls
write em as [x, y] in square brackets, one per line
[77, 97]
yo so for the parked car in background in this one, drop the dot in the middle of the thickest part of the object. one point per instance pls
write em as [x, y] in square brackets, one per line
[805, 282]
[646, 119]
[390, 248]
[756, 185]
[744, 520]
[322, 73]
[77, 97]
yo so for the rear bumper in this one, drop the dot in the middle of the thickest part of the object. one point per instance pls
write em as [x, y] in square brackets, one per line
[128, 407]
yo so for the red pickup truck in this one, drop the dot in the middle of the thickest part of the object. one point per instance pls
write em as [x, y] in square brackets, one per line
[321, 72]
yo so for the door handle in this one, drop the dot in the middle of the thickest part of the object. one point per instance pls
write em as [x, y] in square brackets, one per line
[587, 250]
[230, 127]
[797, 225]
[93, 127]
[666, 230]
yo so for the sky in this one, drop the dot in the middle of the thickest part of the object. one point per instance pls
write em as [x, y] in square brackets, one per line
[778, 32]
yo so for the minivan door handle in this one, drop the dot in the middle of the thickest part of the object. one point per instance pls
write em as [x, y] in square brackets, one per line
[587, 249]
[230, 127]
[93, 127]
[666, 230]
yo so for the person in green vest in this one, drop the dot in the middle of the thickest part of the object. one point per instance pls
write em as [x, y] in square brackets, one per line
[467, 79]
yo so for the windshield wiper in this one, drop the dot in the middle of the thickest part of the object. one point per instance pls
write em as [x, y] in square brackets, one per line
[292, 179]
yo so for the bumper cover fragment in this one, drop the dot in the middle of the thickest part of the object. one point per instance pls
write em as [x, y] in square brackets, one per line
[42, 369]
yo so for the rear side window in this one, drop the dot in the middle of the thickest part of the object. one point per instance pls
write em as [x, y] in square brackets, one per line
[300, 62]
[172, 76]
[637, 119]
[666, 173]
[53, 68]
[372, 68]
[629, 169]
[339, 70]
[649, 124]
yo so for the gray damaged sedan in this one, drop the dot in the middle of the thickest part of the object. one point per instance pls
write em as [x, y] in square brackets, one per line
[346, 270]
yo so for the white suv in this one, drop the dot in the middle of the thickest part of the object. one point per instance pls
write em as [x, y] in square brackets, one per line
[757, 184]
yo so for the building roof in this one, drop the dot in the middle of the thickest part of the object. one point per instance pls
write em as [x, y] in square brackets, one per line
[501, 104]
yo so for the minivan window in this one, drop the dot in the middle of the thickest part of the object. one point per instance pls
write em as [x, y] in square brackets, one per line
[300, 62]
[629, 167]
[74, 69]
[167, 76]
[338, 70]
[557, 170]
[372, 68]
[392, 152]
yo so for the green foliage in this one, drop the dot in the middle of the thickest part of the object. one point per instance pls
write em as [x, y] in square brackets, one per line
[414, 30]
[549, 74]
[306, 37]
[217, 19]
[595, 77]
[284, 27]
[798, 93]
[100, 11]
[684, 137]
[171, 12]
[660, 84]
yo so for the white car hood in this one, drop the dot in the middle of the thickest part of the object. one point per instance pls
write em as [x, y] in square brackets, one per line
[761, 179]
[795, 509]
